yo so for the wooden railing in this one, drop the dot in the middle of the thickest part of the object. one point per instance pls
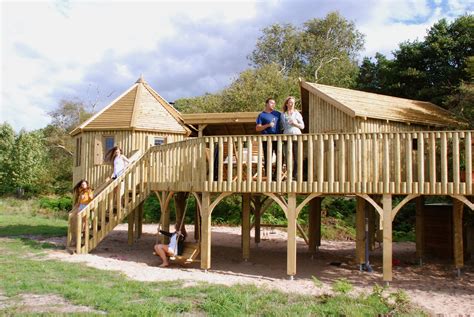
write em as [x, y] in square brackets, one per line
[428, 163]
[109, 206]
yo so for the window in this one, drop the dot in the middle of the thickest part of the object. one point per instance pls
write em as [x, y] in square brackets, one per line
[78, 151]
[159, 141]
[109, 142]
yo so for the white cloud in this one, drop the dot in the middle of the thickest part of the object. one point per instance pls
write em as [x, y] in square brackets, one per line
[95, 50]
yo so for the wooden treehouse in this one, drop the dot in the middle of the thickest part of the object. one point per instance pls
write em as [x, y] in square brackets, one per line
[355, 143]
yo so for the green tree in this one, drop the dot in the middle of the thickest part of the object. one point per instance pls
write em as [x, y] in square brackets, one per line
[323, 50]
[207, 103]
[7, 142]
[374, 75]
[28, 163]
[68, 115]
[279, 45]
[249, 91]
[331, 44]
[432, 69]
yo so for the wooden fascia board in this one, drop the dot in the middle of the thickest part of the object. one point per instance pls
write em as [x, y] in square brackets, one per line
[219, 118]
[85, 123]
[133, 130]
[410, 121]
[329, 99]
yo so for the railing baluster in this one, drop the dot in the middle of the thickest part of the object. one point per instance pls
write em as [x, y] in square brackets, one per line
[468, 162]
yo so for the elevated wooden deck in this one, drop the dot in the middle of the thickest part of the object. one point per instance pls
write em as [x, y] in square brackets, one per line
[362, 164]
[423, 163]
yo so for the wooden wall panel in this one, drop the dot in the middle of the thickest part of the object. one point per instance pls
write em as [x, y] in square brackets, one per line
[96, 171]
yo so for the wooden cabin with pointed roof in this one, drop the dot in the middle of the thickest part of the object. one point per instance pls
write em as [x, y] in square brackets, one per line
[135, 121]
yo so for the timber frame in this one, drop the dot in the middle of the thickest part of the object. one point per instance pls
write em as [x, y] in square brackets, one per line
[328, 164]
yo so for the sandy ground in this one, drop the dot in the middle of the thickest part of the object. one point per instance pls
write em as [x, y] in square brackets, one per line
[434, 286]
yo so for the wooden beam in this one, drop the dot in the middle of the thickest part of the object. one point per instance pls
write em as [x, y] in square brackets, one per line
[314, 224]
[457, 232]
[131, 219]
[291, 229]
[257, 216]
[360, 230]
[245, 226]
[387, 238]
[419, 224]
[205, 231]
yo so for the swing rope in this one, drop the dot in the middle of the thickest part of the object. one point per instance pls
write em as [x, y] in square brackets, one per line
[180, 225]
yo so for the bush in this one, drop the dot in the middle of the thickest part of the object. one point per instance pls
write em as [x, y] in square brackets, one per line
[342, 286]
[63, 203]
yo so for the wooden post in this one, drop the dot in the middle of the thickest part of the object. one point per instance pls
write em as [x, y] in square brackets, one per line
[140, 219]
[131, 219]
[458, 207]
[136, 222]
[165, 223]
[387, 238]
[419, 224]
[314, 224]
[291, 215]
[78, 232]
[372, 226]
[257, 216]
[245, 226]
[360, 230]
[206, 231]
[196, 222]
[180, 206]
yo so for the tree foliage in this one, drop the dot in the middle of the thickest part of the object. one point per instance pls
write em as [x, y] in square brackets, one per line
[24, 167]
[69, 114]
[7, 142]
[432, 69]
[323, 50]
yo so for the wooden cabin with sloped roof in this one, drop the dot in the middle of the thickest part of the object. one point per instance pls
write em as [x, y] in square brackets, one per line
[333, 109]
[135, 121]
[355, 143]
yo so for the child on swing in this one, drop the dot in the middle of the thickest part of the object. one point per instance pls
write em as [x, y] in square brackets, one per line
[173, 248]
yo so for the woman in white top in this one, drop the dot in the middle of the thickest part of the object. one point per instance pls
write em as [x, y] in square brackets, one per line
[292, 123]
[171, 249]
[120, 162]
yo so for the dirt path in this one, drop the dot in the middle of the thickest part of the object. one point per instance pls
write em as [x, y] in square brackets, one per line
[433, 286]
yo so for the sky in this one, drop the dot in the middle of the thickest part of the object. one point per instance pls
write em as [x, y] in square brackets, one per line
[92, 51]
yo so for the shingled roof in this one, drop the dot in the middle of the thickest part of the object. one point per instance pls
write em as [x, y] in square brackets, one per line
[363, 104]
[138, 108]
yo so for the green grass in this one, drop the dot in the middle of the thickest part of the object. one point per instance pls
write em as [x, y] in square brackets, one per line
[25, 269]
[25, 217]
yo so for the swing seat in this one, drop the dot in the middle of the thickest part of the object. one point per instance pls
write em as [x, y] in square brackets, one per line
[190, 253]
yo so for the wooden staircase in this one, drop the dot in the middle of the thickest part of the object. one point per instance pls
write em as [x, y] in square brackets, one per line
[114, 200]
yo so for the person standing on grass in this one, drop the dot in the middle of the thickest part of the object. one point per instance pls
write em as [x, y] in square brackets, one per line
[268, 122]
[292, 123]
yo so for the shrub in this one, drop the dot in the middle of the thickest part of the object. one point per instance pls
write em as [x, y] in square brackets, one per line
[63, 203]
[342, 286]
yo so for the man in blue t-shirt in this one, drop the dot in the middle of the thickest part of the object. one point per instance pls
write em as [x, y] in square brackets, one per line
[268, 122]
